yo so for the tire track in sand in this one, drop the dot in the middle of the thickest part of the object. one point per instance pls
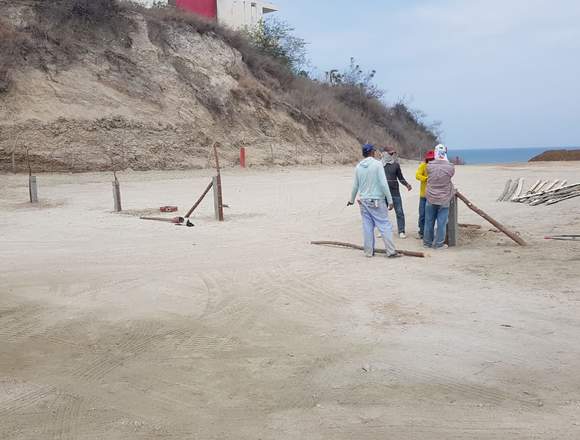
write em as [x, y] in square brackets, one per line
[66, 419]
[25, 400]
[21, 322]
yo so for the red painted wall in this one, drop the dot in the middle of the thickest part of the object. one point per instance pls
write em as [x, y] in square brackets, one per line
[205, 8]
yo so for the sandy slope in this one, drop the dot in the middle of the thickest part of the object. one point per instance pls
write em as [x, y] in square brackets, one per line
[116, 328]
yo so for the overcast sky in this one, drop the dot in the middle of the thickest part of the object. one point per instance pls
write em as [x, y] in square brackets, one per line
[497, 73]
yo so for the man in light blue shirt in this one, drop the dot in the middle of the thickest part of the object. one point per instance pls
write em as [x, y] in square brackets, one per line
[371, 184]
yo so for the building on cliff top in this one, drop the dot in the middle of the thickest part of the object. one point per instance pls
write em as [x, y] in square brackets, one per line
[236, 14]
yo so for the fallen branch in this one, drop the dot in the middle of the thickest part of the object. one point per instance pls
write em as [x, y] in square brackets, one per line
[508, 185]
[565, 237]
[511, 191]
[561, 199]
[174, 220]
[519, 240]
[519, 189]
[360, 248]
[529, 197]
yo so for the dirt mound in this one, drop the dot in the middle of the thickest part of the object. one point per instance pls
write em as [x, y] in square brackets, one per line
[155, 89]
[557, 156]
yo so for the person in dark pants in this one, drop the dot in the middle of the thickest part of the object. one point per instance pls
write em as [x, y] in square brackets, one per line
[421, 176]
[394, 176]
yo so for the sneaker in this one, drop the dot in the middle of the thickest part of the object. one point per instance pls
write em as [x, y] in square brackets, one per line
[397, 255]
[427, 246]
[419, 237]
[402, 235]
[442, 247]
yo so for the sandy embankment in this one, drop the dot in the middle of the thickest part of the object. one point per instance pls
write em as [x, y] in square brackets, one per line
[116, 328]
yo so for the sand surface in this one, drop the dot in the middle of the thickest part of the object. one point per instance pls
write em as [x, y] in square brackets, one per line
[116, 328]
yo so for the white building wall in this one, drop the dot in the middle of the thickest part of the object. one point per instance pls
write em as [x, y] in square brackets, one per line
[242, 13]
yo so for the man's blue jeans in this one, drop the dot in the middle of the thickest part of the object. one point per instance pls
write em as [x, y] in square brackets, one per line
[435, 214]
[422, 203]
[398, 202]
[374, 214]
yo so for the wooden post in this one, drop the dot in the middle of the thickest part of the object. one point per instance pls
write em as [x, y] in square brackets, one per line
[243, 157]
[215, 197]
[33, 189]
[453, 224]
[117, 196]
[194, 207]
[14, 162]
[217, 185]
[519, 240]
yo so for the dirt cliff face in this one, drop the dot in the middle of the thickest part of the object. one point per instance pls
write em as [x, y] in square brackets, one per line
[157, 99]
[557, 155]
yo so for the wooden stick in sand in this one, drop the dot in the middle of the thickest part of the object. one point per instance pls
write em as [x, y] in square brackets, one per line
[360, 248]
[174, 220]
[196, 204]
[220, 207]
[519, 240]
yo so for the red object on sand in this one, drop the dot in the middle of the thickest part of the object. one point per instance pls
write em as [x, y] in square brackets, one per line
[168, 209]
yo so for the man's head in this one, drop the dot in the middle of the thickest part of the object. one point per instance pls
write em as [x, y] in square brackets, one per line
[390, 150]
[389, 155]
[368, 150]
[441, 152]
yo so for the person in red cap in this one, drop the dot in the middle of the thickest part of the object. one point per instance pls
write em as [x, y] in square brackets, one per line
[421, 176]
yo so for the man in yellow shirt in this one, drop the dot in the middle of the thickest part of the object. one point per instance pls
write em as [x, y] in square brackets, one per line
[422, 176]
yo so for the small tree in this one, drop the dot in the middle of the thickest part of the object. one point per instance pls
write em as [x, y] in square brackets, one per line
[275, 38]
[354, 76]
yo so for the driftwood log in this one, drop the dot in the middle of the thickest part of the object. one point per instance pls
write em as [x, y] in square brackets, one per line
[519, 189]
[508, 185]
[515, 237]
[552, 196]
[360, 248]
[512, 190]
[174, 220]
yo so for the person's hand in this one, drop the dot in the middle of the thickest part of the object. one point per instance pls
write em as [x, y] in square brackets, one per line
[409, 187]
[349, 203]
[391, 207]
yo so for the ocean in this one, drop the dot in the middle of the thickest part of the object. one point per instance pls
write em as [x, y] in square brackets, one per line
[499, 155]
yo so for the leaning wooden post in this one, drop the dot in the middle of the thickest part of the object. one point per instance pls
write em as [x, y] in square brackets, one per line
[453, 224]
[197, 203]
[218, 198]
[117, 194]
[515, 237]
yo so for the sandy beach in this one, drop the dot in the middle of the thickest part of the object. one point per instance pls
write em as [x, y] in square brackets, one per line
[116, 328]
